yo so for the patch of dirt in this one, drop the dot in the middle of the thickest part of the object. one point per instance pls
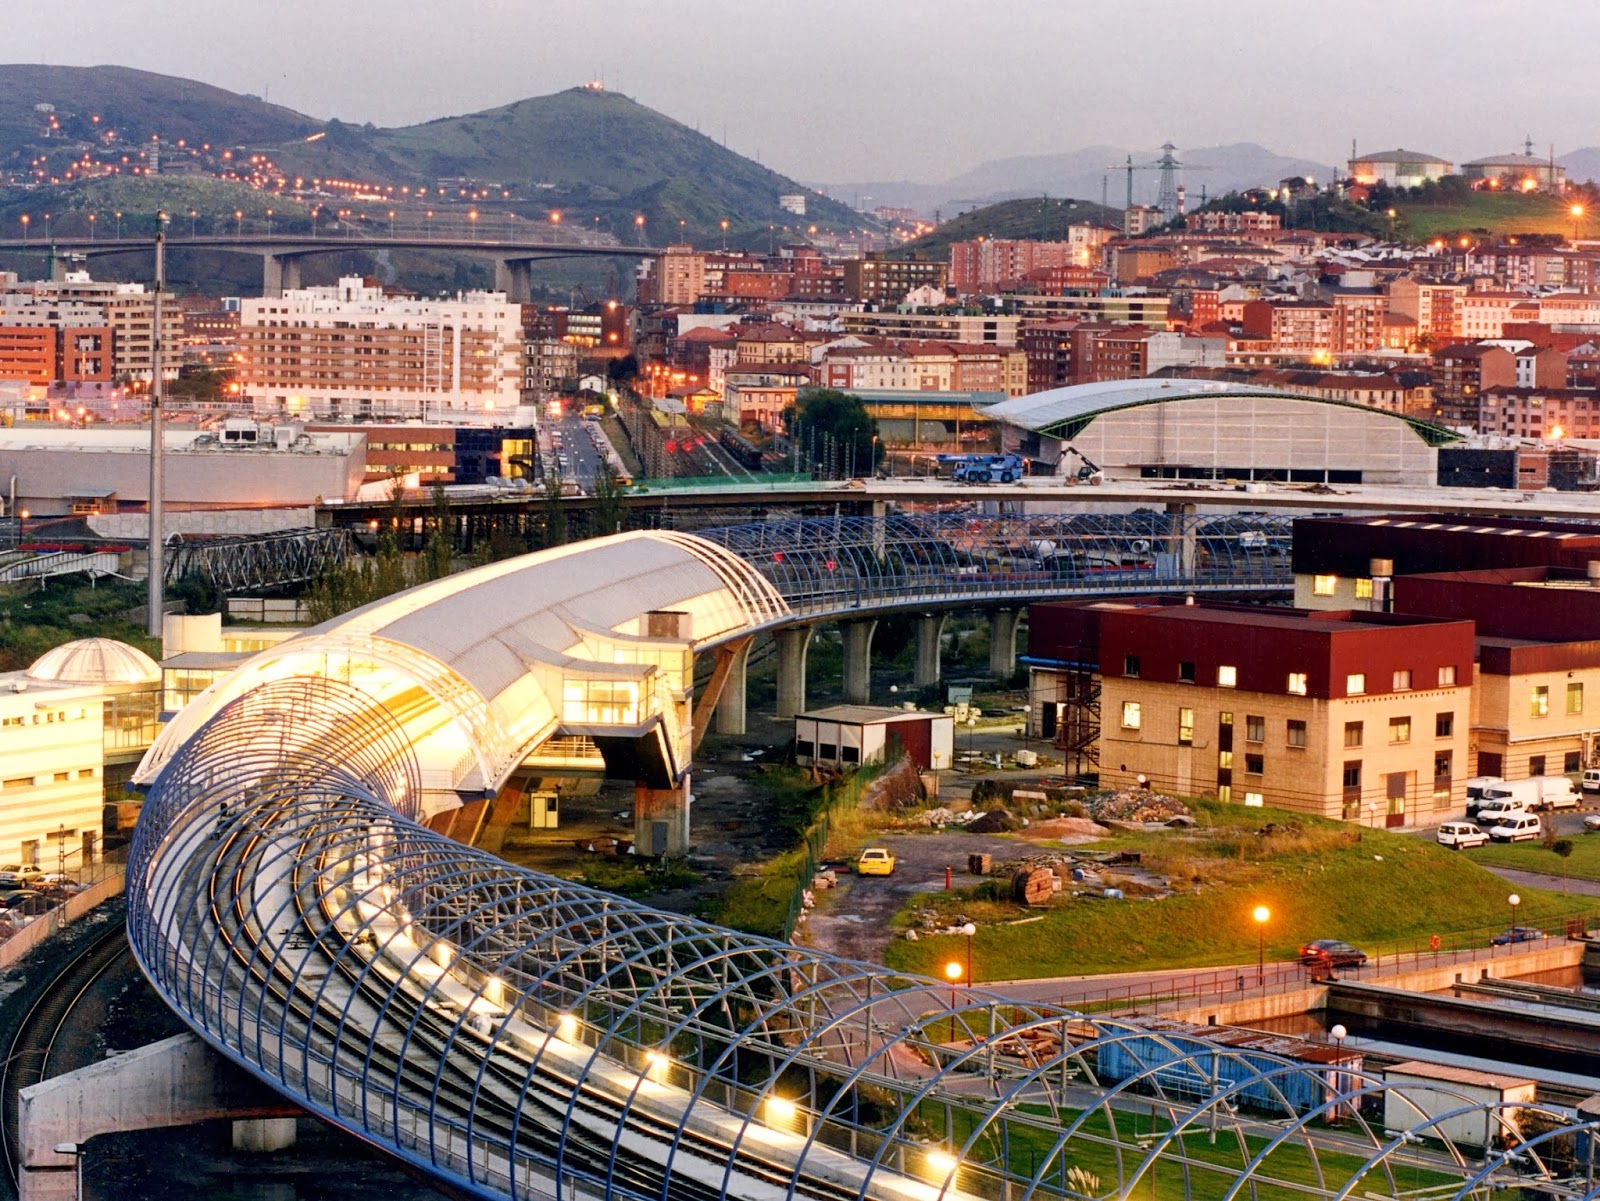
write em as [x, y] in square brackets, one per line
[1063, 829]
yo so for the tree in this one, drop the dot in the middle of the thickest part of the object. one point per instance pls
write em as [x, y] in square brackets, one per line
[555, 511]
[437, 549]
[835, 432]
[609, 513]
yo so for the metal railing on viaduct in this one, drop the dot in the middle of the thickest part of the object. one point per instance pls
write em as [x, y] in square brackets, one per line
[513, 1034]
[842, 565]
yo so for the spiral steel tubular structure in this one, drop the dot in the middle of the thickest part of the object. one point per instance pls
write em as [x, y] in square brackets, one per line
[828, 565]
[518, 1035]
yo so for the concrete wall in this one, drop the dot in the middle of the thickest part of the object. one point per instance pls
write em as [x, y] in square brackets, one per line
[221, 522]
[48, 924]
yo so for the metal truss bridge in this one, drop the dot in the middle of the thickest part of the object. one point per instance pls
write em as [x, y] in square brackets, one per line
[512, 1034]
[260, 562]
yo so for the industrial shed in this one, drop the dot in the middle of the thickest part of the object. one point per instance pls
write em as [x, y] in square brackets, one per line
[1437, 1089]
[849, 735]
[1188, 429]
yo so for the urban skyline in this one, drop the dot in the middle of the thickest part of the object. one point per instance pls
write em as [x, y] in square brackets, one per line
[823, 102]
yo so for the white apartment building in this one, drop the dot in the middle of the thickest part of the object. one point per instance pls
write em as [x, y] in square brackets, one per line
[127, 308]
[351, 351]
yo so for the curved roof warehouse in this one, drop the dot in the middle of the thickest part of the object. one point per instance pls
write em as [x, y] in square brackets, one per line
[1192, 429]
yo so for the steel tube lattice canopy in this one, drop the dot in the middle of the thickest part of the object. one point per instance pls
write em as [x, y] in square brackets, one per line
[517, 1035]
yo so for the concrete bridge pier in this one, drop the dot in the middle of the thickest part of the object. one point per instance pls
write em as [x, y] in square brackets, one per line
[793, 642]
[1181, 540]
[1003, 625]
[279, 271]
[176, 1082]
[730, 717]
[514, 277]
[858, 660]
[930, 640]
[661, 819]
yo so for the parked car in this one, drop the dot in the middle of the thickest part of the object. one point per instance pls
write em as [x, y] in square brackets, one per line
[25, 872]
[1591, 822]
[23, 899]
[1517, 827]
[1331, 952]
[1491, 812]
[1461, 835]
[1517, 934]
[875, 861]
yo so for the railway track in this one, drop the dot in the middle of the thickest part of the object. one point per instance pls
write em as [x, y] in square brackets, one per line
[27, 1059]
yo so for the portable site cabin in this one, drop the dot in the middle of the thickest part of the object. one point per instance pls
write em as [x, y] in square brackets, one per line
[850, 735]
[1430, 1089]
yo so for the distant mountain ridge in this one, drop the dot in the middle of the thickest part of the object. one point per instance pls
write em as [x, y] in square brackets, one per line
[599, 152]
[1088, 172]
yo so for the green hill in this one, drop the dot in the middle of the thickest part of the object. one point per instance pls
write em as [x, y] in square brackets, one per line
[1042, 218]
[592, 154]
[136, 105]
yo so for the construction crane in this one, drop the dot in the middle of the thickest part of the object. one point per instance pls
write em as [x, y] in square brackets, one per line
[1169, 166]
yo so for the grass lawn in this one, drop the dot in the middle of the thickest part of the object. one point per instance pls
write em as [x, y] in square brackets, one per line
[1319, 879]
[1497, 212]
[1102, 1142]
[1583, 864]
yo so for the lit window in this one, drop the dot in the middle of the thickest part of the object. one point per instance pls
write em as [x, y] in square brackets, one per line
[1539, 705]
[1574, 698]
[1132, 715]
[1227, 677]
[1447, 676]
[1186, 727]
[1253, 800]
[1402, 681]
[1355, 684]
[1323, 585]
[1295, 733]
[1352, 733]
[1363, 589]
[1399, 729]
[1297, 683]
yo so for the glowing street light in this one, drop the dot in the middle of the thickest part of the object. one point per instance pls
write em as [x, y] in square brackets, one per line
[1577, 216]
[1262, 915]
[269, 223]
[24, 219]
[238, 223]
[953, 973]
[118, 216]
[1511, 935]
[193, 213]
[724, 224]
[91, 227]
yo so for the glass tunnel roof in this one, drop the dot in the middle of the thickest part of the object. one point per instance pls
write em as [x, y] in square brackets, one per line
[516, 1035]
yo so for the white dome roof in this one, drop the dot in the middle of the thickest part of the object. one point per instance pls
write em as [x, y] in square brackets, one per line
[96, 661]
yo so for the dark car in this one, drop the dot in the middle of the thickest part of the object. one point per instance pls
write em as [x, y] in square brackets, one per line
[1517, 934]
[1331, 952]
[25, 900]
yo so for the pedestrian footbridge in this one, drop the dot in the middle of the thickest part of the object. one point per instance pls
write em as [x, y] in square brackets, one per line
[517, 1035]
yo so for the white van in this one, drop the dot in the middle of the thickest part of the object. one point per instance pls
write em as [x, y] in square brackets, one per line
[1536, 792]
[1591, 779]
[1461, 835]
[1495, 809]
[1519, 827]
[1475, 790]
[1555, 792]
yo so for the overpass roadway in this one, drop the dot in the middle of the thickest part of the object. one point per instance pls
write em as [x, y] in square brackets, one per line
[515, 1035]
[868, 496]
[281, 254]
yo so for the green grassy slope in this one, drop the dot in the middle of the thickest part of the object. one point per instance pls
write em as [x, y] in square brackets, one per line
[1029, 218]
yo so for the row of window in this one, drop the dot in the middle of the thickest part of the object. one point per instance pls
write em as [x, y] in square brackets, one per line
[60, 777]
[1539, 702]
[1294, 735]
[1355, 683]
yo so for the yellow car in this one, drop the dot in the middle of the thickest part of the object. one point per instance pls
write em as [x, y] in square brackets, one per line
[875, 861]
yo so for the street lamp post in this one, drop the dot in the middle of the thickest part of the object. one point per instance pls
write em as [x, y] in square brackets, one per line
[24, 219]
[118, 216]
[972, 724]
[269, 223]
[969, 930]
[1511, 937]
[76, 1151]
[952, 973]
[1262, 915]
[1577, 216]
[238, 223]
[91, 227]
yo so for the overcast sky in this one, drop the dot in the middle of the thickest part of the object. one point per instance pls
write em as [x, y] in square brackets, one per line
[851, 90]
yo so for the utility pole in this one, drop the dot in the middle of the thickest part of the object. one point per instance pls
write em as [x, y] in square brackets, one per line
[157, 547]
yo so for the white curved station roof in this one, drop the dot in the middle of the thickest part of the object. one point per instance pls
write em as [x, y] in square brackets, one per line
[487, 664]
[1041, 410]
[95, 661]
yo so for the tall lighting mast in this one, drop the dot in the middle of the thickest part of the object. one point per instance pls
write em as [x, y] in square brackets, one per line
[157, 547]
